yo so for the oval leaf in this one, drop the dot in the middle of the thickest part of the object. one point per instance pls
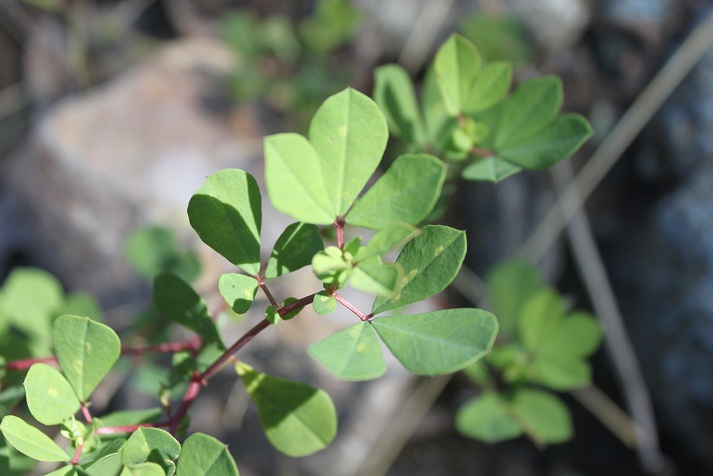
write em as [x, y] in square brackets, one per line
[324, 303]
[349, 133]
[394, 93]
[439, 342]
[179, 302]
[50, 397]
[430, 262]
[556, 142]
[238, 291]
[489, 86]
[352, 354]
[543, 416]
[86, 351]
[456, 64]
[30, 441]
[490, 169]
[488, 418]
[374, 277]
[203, 455]
[298, 419]
[407, 192]
[226, 213]
[144, 469]
[294, 249]
[294, 179]
[150, 442]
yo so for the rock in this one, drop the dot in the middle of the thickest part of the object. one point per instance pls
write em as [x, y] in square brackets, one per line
[128, 153]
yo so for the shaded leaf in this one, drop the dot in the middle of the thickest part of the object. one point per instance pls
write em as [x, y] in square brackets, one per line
[298, 419]
[50, 397]
[30, 441]
[510, 284]
[153, 249]
[145, 443]
[180, 303]
[349, 134]
[542, 415]
[226, 213]
[489, 87]
[406, 193]
[238, 291]
[143, 469]
[559, 140]
[86, 351]
[295, 181]
[456, 64]
[490, 169]
[386, 239]
[488, 418]
[374, 277]
[203, 455]
[394, 93]
[439, 342]
[439, 124]
[352, 354]
[106, 450]
[529, 110]
[294, 249]
[429, 262]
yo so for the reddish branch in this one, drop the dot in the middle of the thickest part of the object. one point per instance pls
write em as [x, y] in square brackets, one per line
[351, 307]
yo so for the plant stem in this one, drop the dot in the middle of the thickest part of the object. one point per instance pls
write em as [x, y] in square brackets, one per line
[194, 388]
[482, 152]
[351, 307]
[263, 286]
[77, 455]
[339, 226]
[85, 412]
[110, 430]
[302, 302]
[239, 344]
[25, 364]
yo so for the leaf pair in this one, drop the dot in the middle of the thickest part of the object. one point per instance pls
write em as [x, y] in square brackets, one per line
[428, 344]
[318, 180]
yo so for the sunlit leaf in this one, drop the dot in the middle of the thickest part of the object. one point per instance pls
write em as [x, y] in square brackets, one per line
[86, 351]
[298, 419]
[238, 291]
[386, 239]
[150, 443]
[30, 441]
[439, 342]
[456, 64]
[352, 354]
[489, 87]
[50, 397]
[430, 262]
[374, 277]
[349, 134]
[406, 193]
[203, 455]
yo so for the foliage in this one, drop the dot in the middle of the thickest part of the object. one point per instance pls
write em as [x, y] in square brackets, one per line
[322, 181]
[291, 65]
[541, 344]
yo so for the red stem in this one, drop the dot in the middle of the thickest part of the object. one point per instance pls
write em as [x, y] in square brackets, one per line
[482, 152]
[25, 364]
[351, 307]
[192, 392]
[339, 226]
[239, 344]
[85, 412]
[110, 430]
[77, 455]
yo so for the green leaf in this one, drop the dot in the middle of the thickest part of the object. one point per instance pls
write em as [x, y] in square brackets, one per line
[324, 304]
[579, 336]
[153, 249]
[150, 444]
[238, 291]
[294, 249]
[543, 416]
[179, 302]
[107, 450]
[528, 111]
[132, 417]
[439, 124]
[203, 455]
[226, 213]
[406, 192]
[298, 419]
[294, 179]
[352, 354]
[488, 418]
[50, 397]
[489, 87]
[64, 471]
[30, 441]
[386, 239]
[374, 277]
[559, 140]
[439, 342]
[349, 134]
[86, 351]
[331, 265]
[430, 262]
[511, 283]
[560, 373]
[394, 93]
[9, 397]
[456, 64]
[490, 169]
[539, 318]
[144, 469]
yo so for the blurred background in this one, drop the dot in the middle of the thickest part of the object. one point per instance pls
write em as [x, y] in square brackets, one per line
[112, 113]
